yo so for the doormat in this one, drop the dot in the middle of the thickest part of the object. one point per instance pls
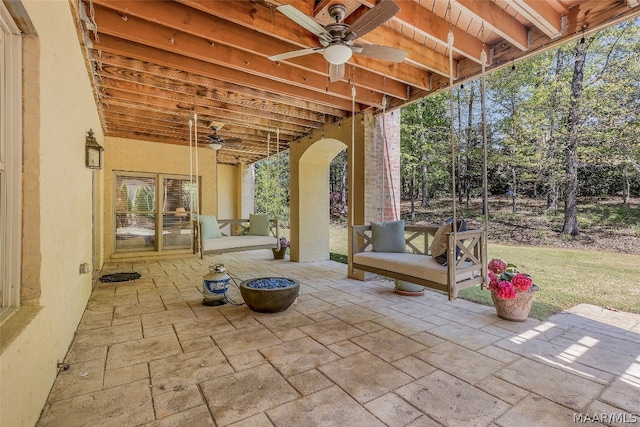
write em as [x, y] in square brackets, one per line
[119, 277]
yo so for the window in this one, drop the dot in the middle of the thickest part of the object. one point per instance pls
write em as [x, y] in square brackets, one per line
[10, 162]
[152, 212]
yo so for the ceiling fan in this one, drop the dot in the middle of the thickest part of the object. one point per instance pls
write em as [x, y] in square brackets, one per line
[216, 142]
[338, 39]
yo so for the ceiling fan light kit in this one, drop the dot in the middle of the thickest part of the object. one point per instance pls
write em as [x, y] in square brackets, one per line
[215, 146]
[337, 54]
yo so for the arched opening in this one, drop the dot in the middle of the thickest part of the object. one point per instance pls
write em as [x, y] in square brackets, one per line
[313, 191]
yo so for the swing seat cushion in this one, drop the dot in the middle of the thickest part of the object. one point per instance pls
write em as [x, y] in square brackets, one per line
[238, 243]
[235, 236]
[414, 265]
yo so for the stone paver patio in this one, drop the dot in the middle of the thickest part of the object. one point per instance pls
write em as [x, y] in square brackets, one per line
[347, 353]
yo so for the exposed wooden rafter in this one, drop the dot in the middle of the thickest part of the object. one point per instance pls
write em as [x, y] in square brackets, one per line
[541, 14]
[156, 62]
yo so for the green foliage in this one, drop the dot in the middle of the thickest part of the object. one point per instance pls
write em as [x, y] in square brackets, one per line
[527, 110]
[608, 215]
[338, 186]
[145, 199]
[343, 259]
[272, 187]
[123, 201]
[425, 146]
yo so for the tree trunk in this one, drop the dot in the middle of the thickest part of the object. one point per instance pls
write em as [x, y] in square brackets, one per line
[412, 195]
[552, 197]
[459, 178]
[571, 193]
[468, 185]
[626, 186]
[485, 212]
[458, 170]
[514, 207]
[424, 183]
[468, 144]
[554, 107]
[343, 184]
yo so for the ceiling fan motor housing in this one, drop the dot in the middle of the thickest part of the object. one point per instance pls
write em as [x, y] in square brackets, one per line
[337, 12]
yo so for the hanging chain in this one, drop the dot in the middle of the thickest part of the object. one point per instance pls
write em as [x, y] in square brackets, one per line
[452, 136]
[485, 178]
[352, 176]
[191, 169]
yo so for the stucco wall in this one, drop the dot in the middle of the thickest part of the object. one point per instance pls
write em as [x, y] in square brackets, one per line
[248, 187]
[228, 191]
[151, 157]
[59, 109]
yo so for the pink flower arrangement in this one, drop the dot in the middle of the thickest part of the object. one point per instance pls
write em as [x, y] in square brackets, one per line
[507, 281]
[284, 243]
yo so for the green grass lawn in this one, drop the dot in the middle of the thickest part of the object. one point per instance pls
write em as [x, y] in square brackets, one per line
[570, 277]
[566, 277]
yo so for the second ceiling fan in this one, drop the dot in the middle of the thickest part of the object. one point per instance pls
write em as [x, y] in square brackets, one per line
[338, 39]
[216, 142]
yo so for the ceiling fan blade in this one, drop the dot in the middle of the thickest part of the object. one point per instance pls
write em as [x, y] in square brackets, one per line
[372, 19]
[232, 140]
[336, 72]
[385, 53]
[295, 53]
[304, 21]
[235, 147]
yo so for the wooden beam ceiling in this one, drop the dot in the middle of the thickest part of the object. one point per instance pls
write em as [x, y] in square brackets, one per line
[155, 63]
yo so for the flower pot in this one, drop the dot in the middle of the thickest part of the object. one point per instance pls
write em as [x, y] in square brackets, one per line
[279, 253]
[269, 294]
[517, 309]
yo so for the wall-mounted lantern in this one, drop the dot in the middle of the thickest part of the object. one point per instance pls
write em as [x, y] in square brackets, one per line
[93, 155]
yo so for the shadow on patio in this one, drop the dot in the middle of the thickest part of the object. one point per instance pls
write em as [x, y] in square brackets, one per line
[348, 353]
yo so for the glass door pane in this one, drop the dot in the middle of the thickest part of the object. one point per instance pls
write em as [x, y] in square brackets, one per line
[176, 213]
[135, 209]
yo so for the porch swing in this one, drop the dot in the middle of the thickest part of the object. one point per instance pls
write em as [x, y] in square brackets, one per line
[216, 236]
[404, 252]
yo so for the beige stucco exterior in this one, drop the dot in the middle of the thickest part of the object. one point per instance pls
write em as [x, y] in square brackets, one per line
[59, 109]
[229, 183]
